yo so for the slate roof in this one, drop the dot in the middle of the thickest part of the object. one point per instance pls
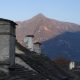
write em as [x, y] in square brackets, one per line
[39, 67]
[21, 73]
[9, 21]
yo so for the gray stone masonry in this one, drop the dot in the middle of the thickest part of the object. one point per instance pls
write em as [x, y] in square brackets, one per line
[7, 42]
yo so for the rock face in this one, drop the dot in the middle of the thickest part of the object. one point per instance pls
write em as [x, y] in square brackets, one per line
[46, 29]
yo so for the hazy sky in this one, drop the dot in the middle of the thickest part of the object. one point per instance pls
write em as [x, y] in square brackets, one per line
[64, 10]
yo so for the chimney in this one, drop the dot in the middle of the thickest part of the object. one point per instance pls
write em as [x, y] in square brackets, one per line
[7, 42]
[37, 47]
[71, 65]
[29, 42]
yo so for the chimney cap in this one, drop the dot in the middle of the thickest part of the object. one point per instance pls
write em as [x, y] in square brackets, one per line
[37, 43]
[9, 21]
[29, 35]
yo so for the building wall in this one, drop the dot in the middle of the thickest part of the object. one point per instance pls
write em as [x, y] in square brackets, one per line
[4, 47]
[7, 42]
[4, 41]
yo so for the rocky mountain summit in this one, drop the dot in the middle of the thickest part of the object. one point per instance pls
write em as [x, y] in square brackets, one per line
[57, 37]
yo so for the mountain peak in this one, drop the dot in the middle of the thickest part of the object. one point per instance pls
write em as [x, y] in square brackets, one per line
[40, 15]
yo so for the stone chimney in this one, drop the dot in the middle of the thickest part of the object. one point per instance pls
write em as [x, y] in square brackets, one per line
[7, 42]
[71, 65]
[28, 40]
[37, 47]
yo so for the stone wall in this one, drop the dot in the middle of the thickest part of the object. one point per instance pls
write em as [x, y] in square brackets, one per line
[7, 42]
